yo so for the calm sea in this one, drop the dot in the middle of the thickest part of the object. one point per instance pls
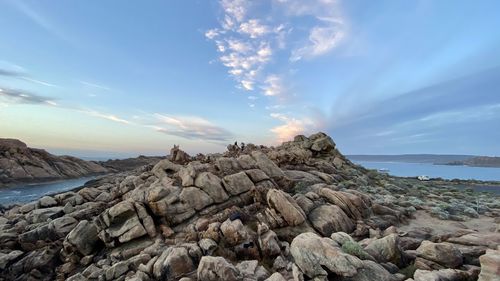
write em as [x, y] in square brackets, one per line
[30, 192]
[435, 171]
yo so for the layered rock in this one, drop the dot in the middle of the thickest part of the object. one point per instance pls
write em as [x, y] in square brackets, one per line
[299, 211]
[19, 163]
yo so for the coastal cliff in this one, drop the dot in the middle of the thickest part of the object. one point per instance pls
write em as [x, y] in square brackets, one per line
[20, 163]
[299, 211]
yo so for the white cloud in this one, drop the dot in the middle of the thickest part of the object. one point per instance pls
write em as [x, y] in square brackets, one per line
[325, 34]
[238, 46]
[236, 9]
[212, 33]
[39, 82]
[106, 116]
[191, 127]
[253, 28]
[273, 86]
[95, 85]
[321, 41]
[291, 127]
[247, 85]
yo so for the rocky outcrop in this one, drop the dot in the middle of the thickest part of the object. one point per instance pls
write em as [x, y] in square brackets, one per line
[19, 163]
[298, 211]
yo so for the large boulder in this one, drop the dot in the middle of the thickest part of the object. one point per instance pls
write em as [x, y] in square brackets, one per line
[195, 197]
[120, 222]
[83, 238]
[387, 249]
[212, 185]
[237, 183]
[284, 204]
[444, 275]
[172, 264]
[445, 254]
[327, 219]
[317, 256]
[215, 269]
[52, 231]
[266, 165]
[354, 206]
[490, 265]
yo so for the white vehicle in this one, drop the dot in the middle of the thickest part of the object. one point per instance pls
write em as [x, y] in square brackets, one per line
[423, 178]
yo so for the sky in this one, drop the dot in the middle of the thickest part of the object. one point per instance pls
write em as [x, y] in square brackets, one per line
[122, 78]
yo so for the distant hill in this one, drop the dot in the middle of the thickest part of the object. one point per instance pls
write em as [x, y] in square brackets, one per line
[20, 163]
[412, 158]
[478, 161]
[127, 164]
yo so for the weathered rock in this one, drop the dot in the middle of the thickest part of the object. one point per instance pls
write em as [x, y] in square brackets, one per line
[442, 274]
[19, 163]
[215, 269]
[268, 241]
[490, 266]
[5, 259]
[327, 219]
[234, 231]
[315, 255]
[251, 270]
[284, 204]
[387, 249]
[276, 277]
[116, 270]
[212, 185]
[47, 201]
[443, 253]
[52, 231]
[237, 183]
[120, 222]
[83, 237]
[354, 206]
[266, 165]
[173, 264]
[195, 197]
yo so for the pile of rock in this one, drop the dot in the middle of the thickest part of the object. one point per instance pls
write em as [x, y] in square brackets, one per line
[300, 211]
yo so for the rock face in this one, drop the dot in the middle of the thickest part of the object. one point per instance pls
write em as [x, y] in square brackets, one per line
[298, 211]
[490, 265]
[19, 163]
[443, 253]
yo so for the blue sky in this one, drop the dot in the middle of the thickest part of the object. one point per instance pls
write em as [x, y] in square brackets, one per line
[115, 78]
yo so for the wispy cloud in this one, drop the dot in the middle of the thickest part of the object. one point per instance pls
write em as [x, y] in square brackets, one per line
[23, 76]
[39, 19]
[24, 97]
[95, 85]
[191, 127]
[9, 73]
[106, 116]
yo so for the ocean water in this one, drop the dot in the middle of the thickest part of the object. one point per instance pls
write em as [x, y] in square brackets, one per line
[29, 192]
[435, 171]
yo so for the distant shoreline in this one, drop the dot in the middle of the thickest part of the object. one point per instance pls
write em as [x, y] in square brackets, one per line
[436, 159]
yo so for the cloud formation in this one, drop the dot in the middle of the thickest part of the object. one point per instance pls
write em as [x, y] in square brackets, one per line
[24, 97]
[249, 40]
[23, 76]
[191, 127]
[254, 36]
[106, 116]
[291, 127]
